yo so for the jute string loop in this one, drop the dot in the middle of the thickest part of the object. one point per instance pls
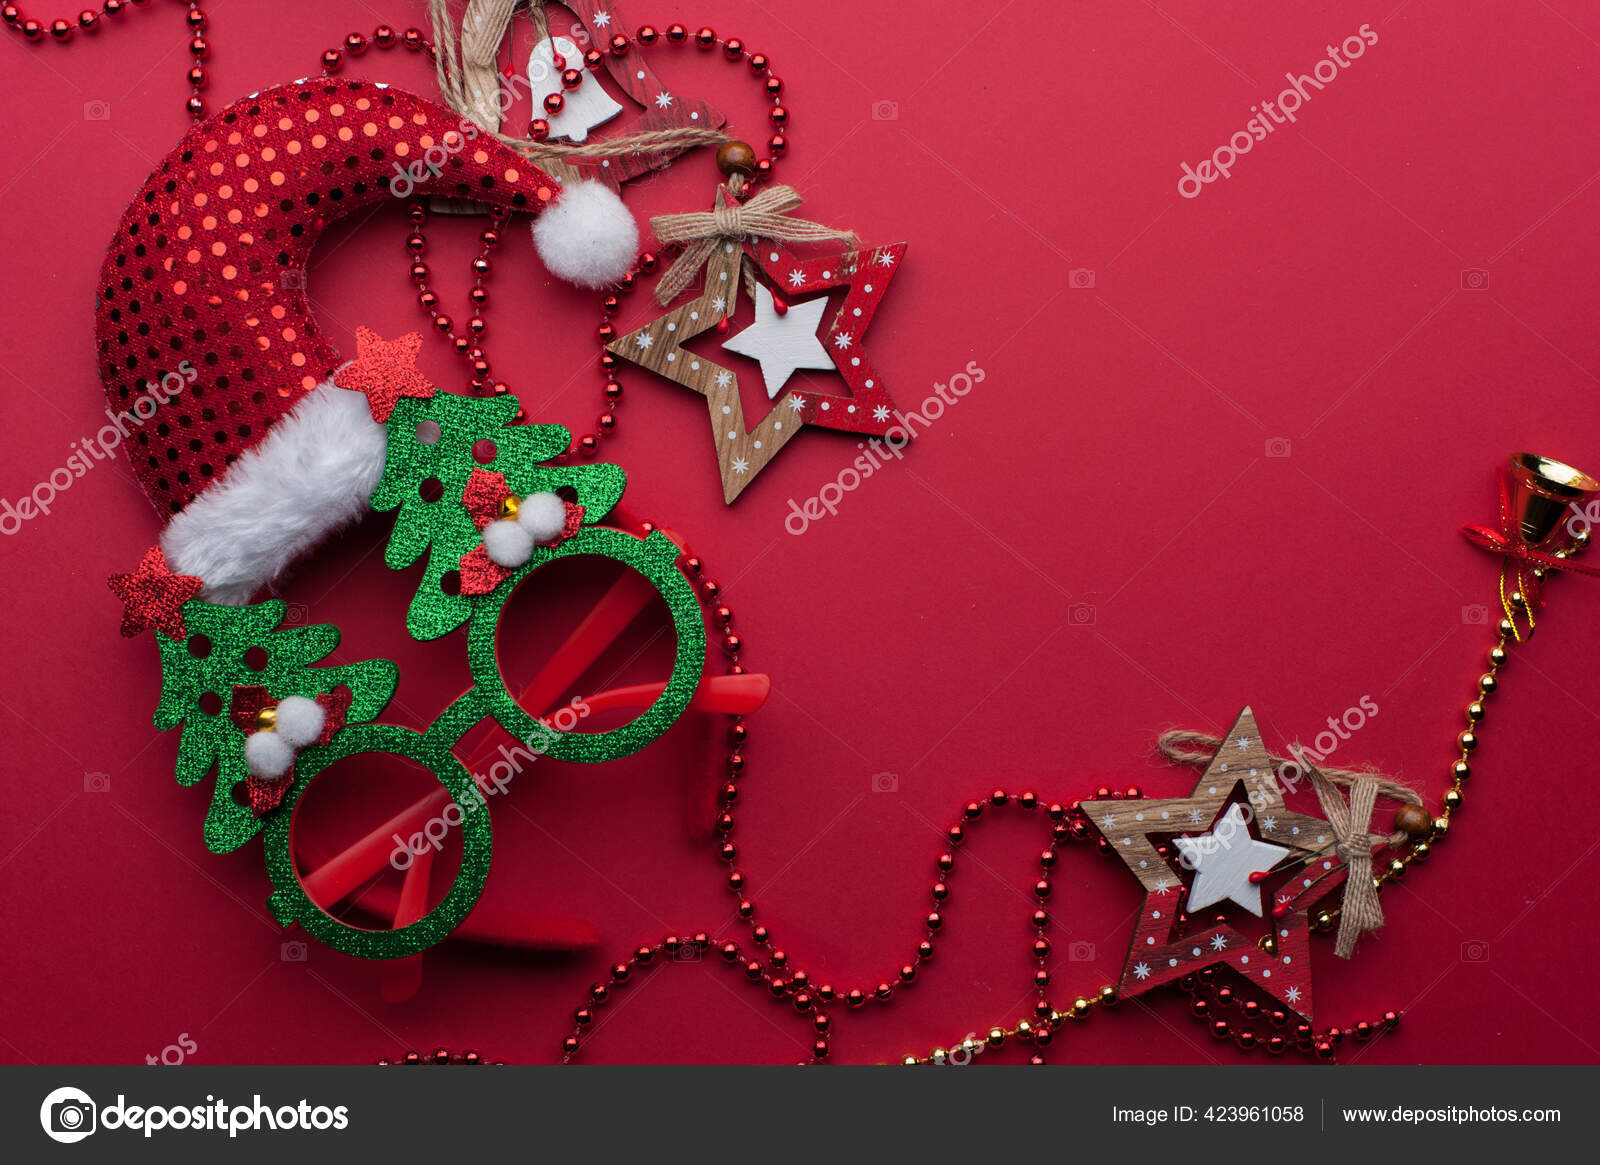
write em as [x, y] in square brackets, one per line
[471, 86]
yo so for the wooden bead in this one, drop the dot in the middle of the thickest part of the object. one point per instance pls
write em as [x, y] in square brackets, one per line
[1414, 820]
[736, 157]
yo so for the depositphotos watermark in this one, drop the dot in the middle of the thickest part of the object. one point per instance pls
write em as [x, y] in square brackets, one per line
[1581, 522]
[1339, 730]
[1271, 114]
[68, 1115]
[88, 452]
[174, 1054]
[495, 781]
[877, 450]
[438, 153]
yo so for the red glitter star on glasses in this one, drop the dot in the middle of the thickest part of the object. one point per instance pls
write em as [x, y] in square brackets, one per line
[385, 370]
[152, 596]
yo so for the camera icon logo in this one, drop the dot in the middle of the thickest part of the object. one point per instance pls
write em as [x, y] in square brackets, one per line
[97, 782]
[294, 614]
[1474, 951]
[293, 951]
[1081, 614]
[292, 279]
[1081, 278]
[1080, 952]
[1475, 615]
[885, 110]
[97, 111]
[67, 1115]
[1474, 279]
[1277, 447]
[885, 782]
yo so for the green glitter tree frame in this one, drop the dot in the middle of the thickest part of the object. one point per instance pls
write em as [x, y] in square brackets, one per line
[199, 673]
[434, 445]
[431, 446]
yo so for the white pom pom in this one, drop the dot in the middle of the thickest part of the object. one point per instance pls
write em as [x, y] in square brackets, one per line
[507, 543]
[268, 755]
[543, 516]
[299, 721]
[586, 235]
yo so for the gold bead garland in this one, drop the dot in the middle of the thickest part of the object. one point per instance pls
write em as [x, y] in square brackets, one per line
[1326, 920]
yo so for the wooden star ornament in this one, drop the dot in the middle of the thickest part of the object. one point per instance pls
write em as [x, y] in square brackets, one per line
[1252, 852]
[743, 452]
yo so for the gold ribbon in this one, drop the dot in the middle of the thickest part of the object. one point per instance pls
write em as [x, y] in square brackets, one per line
[765, 216]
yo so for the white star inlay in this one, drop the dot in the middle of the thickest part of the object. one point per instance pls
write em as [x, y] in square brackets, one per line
[782, 343]
[1223, 861]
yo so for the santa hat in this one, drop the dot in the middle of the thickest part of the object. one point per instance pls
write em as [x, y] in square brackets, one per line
[218, 377]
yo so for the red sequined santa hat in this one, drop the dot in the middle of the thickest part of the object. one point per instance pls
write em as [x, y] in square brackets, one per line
[219, 380]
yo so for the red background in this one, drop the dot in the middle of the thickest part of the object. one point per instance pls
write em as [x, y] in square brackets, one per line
[1116, 455]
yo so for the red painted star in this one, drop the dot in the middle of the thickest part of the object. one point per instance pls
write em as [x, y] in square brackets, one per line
[385, 370]
[866, 273]
[153, 596]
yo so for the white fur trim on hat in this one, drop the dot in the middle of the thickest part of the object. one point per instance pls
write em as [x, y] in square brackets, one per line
[586, 235]
[311, 474]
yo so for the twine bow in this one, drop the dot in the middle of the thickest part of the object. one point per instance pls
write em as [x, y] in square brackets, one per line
[766, 216]
[1507, 542]
[1360, 911]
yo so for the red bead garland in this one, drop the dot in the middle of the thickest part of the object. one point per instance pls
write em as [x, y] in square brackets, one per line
[88, 21]
[355, 43]
[1206, 992]
[440, 1056]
